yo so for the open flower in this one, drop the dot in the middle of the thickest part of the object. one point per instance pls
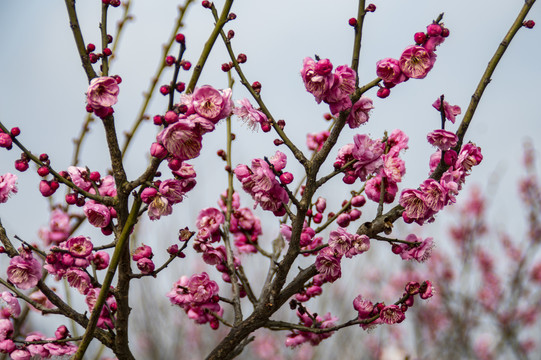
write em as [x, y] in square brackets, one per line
[249, 115]
[7, 186]
[416, 61]
[102, 92]
[24, 271]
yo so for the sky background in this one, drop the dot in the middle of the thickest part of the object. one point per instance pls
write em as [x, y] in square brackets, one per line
[43, 85]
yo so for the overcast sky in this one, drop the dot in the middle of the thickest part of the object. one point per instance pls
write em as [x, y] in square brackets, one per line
[42, 86]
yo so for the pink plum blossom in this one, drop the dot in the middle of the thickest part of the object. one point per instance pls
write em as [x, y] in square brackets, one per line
[7, 186]
[249, 115]
[59, 228]
[20, 354]
[442, 139]
[79, 279]
[359, 245]
[79, 176]
[172, 190]
[363, 306]
[420, 251]
[435, 195]
[158, 207]
[24, 271]
[212, 104]
[373, 189]
[340, 241]
[102, 92]
[143, 251]
[145, 265]
[97, 214]
[328, 264]
[100, 260]
[342, 86]
[10, 305]
[415, 206]
[79, 246]
[181, 139]
[392, 314]
[369, 153]
[315, 141]
[451, 111]
[297, 338]
[317, 77]
[359, 113]
[389, 71]
[416, 62]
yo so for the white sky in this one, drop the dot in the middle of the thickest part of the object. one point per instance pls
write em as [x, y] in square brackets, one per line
[42, 86]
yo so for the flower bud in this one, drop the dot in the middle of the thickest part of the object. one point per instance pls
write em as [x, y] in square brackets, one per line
[383, 92]
[5, 141]
[528, 24]
[230, 34]
[21, 165]
[165, 89]
[171, 117]
[186, 65]
[419, 38]
[43, 171]
[170, 60]
[358, 201]
[433, 30]
[180, 87]
[206, 4]
[352, 22]
[180, 38]
[343, 219]
[355, 214]
[318, 217]
[241, 58]
[158, 150]
[90, 47]
[286, 178]
[71, 198]
[370, 8]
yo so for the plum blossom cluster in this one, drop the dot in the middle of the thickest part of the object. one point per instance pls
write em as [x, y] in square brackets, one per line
[143, 257]
[298, 337]
[335, 89]
[416, 60]
[198, 296]
[70, 260]
[415, 248]
[422, 204]
[107, 317]
[377, 159]
[370, 314]
[244, 225]
[195, 115]
[328, 260]
[164, 194]
[260, 182]
[308, 239]
[10, 310]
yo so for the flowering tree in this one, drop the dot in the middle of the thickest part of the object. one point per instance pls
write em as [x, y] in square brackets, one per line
[310, 244]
